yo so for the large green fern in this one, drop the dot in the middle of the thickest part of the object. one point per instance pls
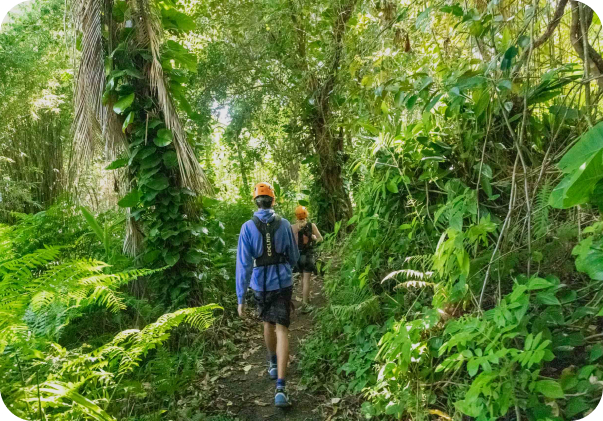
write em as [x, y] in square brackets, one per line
[39, 295]
[45, 294]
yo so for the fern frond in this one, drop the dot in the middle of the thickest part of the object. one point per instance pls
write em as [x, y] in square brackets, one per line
[540, 216]
[127, 348]
[41, 299]
[415, 284]
[409, 274]
[359, 311]
[424, 261]
[55, 392]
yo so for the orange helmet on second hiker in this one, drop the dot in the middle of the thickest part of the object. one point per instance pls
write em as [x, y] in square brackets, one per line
[301, 212]
[263, 189]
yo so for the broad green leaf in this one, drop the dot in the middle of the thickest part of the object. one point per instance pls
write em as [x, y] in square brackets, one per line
[148, 151]
[130, 200]
[172, 258]
[164, 137]
[589, 144]
[170, 159]
[596, 352]
[550, 388]
[583, 181]
[508, 57]
[154, 123]
[538, 283]
[547, 298]
[596, 197]
[392, 186]
[159, 182]
[134, 73]
[505, 84]
[303, 202]
[422, 18]
[473, 366]
[558, 193]
[410, 103]
[118, 163]
[150, 161]
[151, 256]
[129, 119]
[193, 257]
[123, 103]
[590, 257]
[576, 405]
[433, 102]
[98, 230]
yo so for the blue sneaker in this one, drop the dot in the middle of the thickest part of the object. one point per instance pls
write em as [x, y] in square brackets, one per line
[281, 399]
[272, 371]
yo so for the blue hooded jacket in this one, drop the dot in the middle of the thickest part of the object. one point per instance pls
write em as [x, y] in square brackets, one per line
[251, 247]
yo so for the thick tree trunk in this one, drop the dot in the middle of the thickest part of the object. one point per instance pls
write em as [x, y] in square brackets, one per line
[329, 148]
[335, 204]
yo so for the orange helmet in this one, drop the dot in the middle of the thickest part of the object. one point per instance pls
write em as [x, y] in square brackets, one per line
[301, 212]
[263, 189]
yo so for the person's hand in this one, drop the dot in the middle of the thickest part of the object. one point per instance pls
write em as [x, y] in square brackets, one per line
[313, 237]
[241, 310]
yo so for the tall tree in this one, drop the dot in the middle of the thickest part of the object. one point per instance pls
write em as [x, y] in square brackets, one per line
[129, 80]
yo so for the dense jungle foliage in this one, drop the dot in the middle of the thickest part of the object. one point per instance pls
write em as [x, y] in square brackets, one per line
[451, 152]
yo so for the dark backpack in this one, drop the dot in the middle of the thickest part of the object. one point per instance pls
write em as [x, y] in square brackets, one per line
[304, 237]
[269, 257]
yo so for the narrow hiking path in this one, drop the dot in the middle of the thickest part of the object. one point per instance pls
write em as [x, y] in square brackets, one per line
[244, 390]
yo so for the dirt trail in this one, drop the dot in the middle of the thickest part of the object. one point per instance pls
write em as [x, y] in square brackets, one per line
[248, 394]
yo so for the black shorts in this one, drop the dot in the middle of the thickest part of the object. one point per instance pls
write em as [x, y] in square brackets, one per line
[307, 263]
[276, 307]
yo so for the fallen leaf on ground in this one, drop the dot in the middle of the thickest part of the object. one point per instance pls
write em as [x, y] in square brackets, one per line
[247, 368]
[260, 403]
[440, 414]
[335, 400]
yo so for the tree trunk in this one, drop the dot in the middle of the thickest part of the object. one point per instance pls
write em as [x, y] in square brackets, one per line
[245, 186]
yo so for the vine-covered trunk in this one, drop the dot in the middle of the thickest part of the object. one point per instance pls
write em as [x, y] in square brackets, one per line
[334, 202]
[138, 108]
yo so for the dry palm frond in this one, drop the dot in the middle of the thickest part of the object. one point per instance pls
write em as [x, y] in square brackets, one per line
[92, 120]
[149, 35]
[133, 240]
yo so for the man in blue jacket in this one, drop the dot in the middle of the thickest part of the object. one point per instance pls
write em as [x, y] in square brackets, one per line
[266, 253]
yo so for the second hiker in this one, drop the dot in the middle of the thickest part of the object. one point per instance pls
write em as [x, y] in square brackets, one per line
[306, 235]
[265, 255]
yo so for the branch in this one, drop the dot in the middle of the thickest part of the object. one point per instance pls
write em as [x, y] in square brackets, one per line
[552, 25]
[579, 44]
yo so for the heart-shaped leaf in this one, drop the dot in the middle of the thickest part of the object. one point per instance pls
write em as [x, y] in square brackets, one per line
[130, 200]
[172, 258]
[159, 182]
[118, 163]
[170, 159]
[123, 103]
[164, 137]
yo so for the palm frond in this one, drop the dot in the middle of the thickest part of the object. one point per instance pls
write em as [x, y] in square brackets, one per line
[93, 121]
[149, 36]
[133, 240]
